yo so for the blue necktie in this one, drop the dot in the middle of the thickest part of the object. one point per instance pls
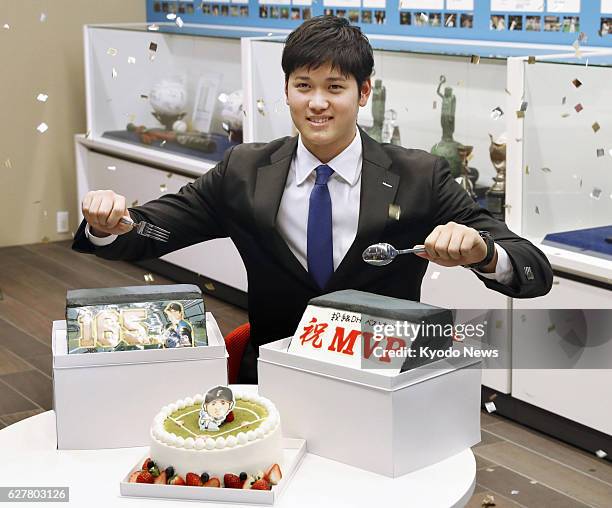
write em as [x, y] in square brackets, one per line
[320, 247]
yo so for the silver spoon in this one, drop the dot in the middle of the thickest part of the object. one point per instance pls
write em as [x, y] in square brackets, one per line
[381, 254]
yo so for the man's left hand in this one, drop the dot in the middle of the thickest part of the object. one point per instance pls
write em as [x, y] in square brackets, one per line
[455, 245]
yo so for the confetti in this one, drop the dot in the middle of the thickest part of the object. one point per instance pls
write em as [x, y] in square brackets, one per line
[45, 213]
[111, 52]
[179, 22]
[563, 101]
[261, 106]
[493, 395]
[526, 170]
[223, 98]
[6, 26]
[596, 193]
[547, 170]
[8, 164]
[578, 107]
[163, 187]
[490, 407]
[596, 127]
[475, 59]
[269, 34]
[537, 210]
[601, 152]
[88, 135]
[520, 114]
[498, 324]
[42, 127]
[435, 104]
[43, 17]
[114, 73]
[601, 454]
[435, 275]
[153, 46]
[144, 96]
[514, 492]
[577, 83]
[111, 168]
[523, 106]
[610, 152]
[163, 143]
[131, 60]
[169, 175]
[531, 60]
[148, 277]
[533, 482]
[210, 286]
[135, 202]
[564, 115]
[395, 211]
[497, 113]
[490, 470]
[487, 501]
[153, 27]
[551, 328]
[171, 16]
[45, 239]
[41, 97]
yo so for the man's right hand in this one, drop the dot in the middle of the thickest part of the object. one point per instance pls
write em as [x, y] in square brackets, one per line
[102, 210]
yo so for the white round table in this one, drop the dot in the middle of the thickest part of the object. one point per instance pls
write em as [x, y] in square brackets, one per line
[28, 458]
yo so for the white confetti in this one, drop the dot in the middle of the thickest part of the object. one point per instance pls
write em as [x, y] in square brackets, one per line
[223, 97]
[497, 113]
[43, 17]
[601, 454]
[514, 492]
[490, 470]
[111, 52]
[114, 73]
[41, 97]
[111, 168]
[610, 152]
[270, 34]
[435, 275]
[533, 482]
[153, 27]
[179, 22]
[8, 164]
[42, 127]
[171, 16]
[490, 406]
[6, 26]
[131, 60]
[595, 193]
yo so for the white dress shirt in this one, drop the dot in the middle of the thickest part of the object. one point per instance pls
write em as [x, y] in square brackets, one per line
[345, 191]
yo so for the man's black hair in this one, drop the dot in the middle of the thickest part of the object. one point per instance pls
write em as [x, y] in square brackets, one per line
[329, 39]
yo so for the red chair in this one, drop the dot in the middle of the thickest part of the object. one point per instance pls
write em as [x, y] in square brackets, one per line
[235, 343]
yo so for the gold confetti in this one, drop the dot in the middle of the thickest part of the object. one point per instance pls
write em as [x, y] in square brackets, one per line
[498, 324]
[601, 152]
[520, 114]
[163, 188]
[596, 127]
[111, 52]
[45, 239]
[36, 202]
[460, 82]
[577, 83]
[135, 202]
[148, 277]
[131, 118]
[8, 164]
[43, 127]
[210, 286]
[527, 169]
[578, 107]
[41, 97]
[596, 193]
[475, 59]
[114, 73]
[395, 211]
[169, 175]
[564, 115]
[531, 60]
[261, 106]
[131, 60]
[551, 328]
[547, 170]
[497, 113]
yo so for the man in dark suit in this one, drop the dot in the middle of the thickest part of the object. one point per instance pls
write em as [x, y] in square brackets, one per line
[301, 210]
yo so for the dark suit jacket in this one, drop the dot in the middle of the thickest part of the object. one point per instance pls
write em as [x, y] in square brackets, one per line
[239, 198]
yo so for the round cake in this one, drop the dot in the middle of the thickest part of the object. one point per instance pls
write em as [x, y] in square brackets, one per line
[250, 441]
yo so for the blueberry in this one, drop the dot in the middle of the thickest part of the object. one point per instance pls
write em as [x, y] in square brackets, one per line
[204, 477]
[169, 472]
[243, 476]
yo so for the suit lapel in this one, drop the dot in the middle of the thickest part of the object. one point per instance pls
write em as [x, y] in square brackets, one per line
[378, 190]
[271, 180]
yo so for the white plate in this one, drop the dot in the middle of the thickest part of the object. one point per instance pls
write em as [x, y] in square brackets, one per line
[293, 452]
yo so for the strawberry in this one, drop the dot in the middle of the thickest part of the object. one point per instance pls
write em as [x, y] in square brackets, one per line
[231, 481]
[146, 465]
[133, 476]
[144, 477]
[162, 478]
[229, 418]
[246, 484]
[213, 482]
[261, 485]
[193, 480]
[273, 475]
[176, 480]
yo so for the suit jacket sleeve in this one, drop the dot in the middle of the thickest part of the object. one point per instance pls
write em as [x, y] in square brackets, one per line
[451, 203]
[192, 215]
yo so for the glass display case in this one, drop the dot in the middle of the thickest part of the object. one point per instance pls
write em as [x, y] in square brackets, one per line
[561, 159]
[170, 90]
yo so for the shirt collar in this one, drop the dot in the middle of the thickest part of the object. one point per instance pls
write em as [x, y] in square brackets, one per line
[347, 164]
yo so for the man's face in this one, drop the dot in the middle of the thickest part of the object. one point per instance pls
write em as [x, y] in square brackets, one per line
[324, 106]
[173, 315]
[217, 408]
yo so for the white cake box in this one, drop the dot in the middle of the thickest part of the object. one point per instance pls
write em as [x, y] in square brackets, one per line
[387, 423]
[109, 400]
[293, 452]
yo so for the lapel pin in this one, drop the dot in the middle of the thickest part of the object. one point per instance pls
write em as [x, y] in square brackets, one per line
[394, 211]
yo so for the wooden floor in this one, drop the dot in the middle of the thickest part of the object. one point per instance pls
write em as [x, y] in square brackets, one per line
[517, 466]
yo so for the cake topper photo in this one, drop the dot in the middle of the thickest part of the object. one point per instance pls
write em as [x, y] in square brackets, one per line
[178, 332]
[218, 402]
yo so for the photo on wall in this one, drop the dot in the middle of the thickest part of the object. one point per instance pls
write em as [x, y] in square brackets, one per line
[515, 23]
[435, 19]
[450, 20]
[552, 24]
[405, 18]
[467, 20]
[306, 13]
[380, 17]
[497, 22]
[533, 23]
[571, 24]
[606, 26]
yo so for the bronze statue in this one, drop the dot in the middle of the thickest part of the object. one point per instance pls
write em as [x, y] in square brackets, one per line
[447, 147]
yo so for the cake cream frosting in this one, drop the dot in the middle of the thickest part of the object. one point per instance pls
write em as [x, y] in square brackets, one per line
[252, 442]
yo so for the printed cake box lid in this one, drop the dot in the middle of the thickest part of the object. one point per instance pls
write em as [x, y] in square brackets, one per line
[135, 318]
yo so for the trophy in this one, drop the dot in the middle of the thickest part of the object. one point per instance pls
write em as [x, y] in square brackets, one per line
[447, 147]
[496, 195]
[168, 99]
[464, 152]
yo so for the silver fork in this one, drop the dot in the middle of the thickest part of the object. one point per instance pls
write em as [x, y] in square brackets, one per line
[145, 229]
